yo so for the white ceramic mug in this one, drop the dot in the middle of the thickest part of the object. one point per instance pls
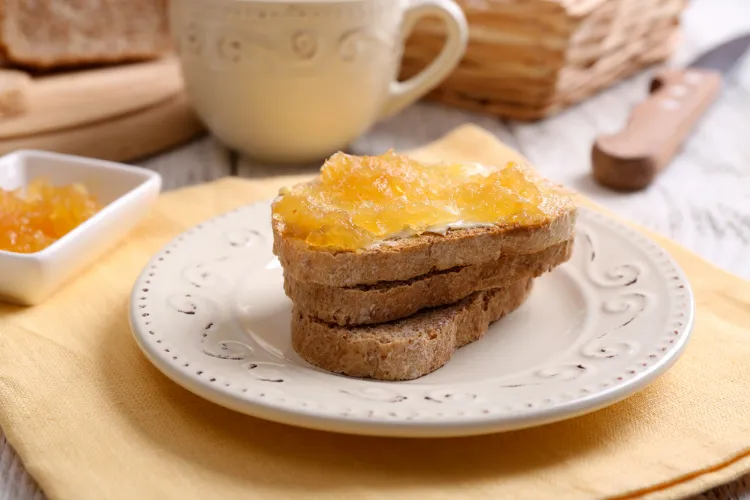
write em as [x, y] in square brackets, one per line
[294, 81]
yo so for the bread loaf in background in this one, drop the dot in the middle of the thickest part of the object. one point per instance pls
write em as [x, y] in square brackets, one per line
[57, 33]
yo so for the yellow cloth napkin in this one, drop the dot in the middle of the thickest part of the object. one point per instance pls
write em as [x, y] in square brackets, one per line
[92, 419]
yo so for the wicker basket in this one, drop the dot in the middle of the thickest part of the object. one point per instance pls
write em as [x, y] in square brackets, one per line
[528, 59]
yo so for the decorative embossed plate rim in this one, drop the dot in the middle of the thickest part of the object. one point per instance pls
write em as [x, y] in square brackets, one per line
[632, 319]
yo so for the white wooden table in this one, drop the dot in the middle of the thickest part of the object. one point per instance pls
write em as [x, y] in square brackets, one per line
[702, 200]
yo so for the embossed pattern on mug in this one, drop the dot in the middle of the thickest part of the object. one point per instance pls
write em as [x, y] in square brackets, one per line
[299, 39]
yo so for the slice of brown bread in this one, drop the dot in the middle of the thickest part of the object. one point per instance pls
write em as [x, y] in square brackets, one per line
[407, 258]
[391, 300]
[407, 348]
[54, 33]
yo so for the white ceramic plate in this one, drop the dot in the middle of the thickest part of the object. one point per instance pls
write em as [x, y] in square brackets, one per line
[210, 312]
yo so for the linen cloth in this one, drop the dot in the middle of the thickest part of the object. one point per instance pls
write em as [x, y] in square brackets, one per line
[91, 418]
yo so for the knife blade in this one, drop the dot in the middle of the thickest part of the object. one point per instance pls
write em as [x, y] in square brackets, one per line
[632, 158]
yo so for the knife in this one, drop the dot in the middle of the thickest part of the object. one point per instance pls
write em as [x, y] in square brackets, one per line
[631, 159]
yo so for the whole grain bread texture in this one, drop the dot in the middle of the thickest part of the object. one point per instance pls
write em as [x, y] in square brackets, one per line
[391, 300]
[407, 348]
[55, 33]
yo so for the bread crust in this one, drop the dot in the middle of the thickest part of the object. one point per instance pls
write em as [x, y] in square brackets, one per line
[408, 348]
[388, 301]
[416, 256]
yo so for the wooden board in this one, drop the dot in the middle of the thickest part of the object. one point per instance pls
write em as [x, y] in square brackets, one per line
[76, 98]
[123, 138]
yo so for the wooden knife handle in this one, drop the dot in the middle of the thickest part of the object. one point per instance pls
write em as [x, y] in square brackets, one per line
[631, 159]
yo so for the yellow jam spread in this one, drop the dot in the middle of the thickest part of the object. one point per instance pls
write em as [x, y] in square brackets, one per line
[34, 218]
[358, 201]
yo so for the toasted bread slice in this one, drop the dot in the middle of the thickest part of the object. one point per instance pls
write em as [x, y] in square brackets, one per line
[405, 258]
[407, 348]
[391, 300]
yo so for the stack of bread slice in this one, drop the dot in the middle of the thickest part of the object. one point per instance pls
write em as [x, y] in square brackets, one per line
[398, 311]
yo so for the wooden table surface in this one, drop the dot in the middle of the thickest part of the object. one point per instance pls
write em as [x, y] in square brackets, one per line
[702, 200]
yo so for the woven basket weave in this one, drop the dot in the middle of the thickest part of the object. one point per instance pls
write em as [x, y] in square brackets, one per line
[528, 59]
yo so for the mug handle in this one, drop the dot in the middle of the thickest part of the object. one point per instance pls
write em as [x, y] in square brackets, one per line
[401, 94]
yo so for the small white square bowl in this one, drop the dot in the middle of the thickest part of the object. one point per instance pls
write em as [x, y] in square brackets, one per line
[125, 193]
